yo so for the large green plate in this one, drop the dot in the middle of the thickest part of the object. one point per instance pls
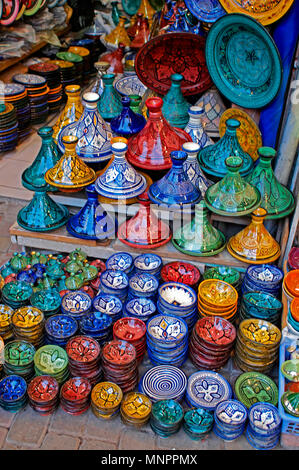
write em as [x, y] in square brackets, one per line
[243, 61]
[254, 387]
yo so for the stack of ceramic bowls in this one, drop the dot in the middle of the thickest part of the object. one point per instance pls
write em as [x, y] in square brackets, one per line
[85, 54]
[17, 96]
[59, 329]
[16, 294]
[77, 61]
[106, 398]
[37, 91]
[6, 313]
[135, 409]
[13, 393]
[260, 305]
[8, 127]
[75, 395]
[179, 271]
[18, 359]
[114, 283]
[263, 278]
[43, 394]
[179, 300]
[167, 340]
[257, 346]
[211, 343]
[51, 72]
[143, 285]
[121, 261]
[97, 325]
[291, 284]
[226, 274]
[91, 45]
[52, 360]
[140, 307]
[198, 422]
[292, 317]
[205, 389]
[253, 387]
[109, 305]
[120, 365]
[264, 426]
[84, 358]
[163, 382]
[217, 298]
[28, 325]
[166, 417]
[229, 419]
[76, 304]
[47, 300]
[149, 263]
[67, 72]
[132, 330]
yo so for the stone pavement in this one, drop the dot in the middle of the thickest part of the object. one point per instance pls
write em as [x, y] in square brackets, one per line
[61, 431]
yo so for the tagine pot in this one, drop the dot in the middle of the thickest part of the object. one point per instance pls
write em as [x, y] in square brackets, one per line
[115, 59]
[127, 123]
[192, 167]
[175, 107]
[98, 85]
[73, 110]
[118, 34]
[109, 105]
[213, 107]
[195, 128]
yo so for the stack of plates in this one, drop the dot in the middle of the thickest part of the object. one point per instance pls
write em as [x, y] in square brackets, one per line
[132, 330]
[121, 261]
[292, 317]
[108, 304]
[85, 54]
[77, 61]
[179, 300]
[75, 395]
[47, 300]
[263, 278]
[84, 358]
[28, 325]
[140, 307]
[120, 365]
[230, 417]
[260, 305]
[96, 325]
[135, 409]
[106, 398]
[167, 340]
[16, 294]
[149, 263]
[18, 359]
[217, 298]
[43, 394]
[224, 273]
[76, 304]
[91, 45]
[67, 73]
[6, 313]
[257, 345]
[179, 271]
[37, 91]
[291, 284]
[51, 72]
[114, 283]
[166, 417]
[263, 430]
[17, 96]
[13, 393]
[164, 382]
[52, 360]
[253, 387]
[205, 389]
[8, 127]
[211, 344]
[143, 285]
[198, 422]
[59, 329]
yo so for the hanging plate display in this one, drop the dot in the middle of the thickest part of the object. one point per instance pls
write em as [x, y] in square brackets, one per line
[248, 134]
[264, 12]
[32, 7]
[171, 53]
[205, 10]
[10, 11]
[243, 61]
[131, 6]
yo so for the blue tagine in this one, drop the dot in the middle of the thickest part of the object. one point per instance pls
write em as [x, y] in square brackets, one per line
[127, 123]
[195, 128]
[192, 167]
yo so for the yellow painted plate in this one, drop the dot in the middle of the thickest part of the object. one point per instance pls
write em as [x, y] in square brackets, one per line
[264, 11]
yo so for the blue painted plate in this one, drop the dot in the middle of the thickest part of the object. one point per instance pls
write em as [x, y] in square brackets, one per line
[205, 10]
[206, 389]
[164, 382]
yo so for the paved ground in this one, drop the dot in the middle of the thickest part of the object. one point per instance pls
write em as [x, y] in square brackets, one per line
[60, 431]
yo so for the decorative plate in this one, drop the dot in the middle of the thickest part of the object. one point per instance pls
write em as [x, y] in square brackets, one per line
[130, 85]
[216, 331]
[260, 332]
[290, 370]
[95, 321]
[167, 328]
[263, 11]
[27, 317]
[19, 353]
[82, 349]
[129, 329]
[205, 10]
[143, 282]
[120, 262]
[12, 388]
[51, 359]
[253, 387]
[119, 352]
[177, 294]
[206, 389]
[264, 417]
[140, 306]
[106, 395]
[180, 271]
[77, 302]
[164, 382]
[43, 389]
[248, 134]
[29, 79]
[10, 10]
[217, 293]
[265, 275]
[243, 61]
[136, 406]
[61, 326]
[172, 53]
[106, 303]
[148, 262]
[231, 412]
[114, 279]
